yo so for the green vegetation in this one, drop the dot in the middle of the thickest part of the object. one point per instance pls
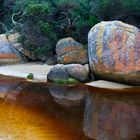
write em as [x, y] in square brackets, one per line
[72, 81]
[44, 22]
[124, 10]
[30, 76]
[69, 81]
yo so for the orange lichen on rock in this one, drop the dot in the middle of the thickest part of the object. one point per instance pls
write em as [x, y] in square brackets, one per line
[8, 56]
[117, 49]
[70, 51]
[67, 59]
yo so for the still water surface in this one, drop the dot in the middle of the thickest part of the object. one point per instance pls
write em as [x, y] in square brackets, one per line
[40, 111]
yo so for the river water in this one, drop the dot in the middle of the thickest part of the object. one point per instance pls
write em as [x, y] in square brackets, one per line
[43, 111]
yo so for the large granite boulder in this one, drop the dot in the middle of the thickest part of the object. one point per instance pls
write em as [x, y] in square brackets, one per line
[69, 51]
[8, 54]
[114, 52]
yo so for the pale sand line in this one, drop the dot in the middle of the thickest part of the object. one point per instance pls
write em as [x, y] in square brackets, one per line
[108, 84]
[39, 71]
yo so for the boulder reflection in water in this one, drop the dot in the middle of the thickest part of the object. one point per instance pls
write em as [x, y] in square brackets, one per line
[68, 95]
[113, 117]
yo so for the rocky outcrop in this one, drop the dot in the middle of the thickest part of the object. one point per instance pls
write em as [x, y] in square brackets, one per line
[69, 51]
[64, 73]
[114, 52]
[8, 54]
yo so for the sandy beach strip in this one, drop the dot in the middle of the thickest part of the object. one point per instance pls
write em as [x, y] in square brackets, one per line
[39, 71]
[108, 84]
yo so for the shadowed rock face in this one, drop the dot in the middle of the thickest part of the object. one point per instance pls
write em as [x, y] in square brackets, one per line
[114, 51]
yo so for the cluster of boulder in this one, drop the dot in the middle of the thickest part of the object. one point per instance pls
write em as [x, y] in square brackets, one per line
[113, 53]
[67, 72]
[73, 62]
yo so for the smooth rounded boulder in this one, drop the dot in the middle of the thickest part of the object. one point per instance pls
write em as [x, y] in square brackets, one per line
[58, 72]
[78, 71]
[114, 52]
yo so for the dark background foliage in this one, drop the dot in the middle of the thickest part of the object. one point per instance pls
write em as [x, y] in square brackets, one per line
[44, 22]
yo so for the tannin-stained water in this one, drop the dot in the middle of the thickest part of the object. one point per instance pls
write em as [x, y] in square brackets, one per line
[41, 111]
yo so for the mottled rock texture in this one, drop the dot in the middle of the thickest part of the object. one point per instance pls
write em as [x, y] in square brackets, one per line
[69, 51]
[64, 72]
[58, 72]
[8, 54]
[78, 71]
[114, 52]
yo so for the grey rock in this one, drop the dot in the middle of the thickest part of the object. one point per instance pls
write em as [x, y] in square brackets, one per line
[51, 61]
[58, 72]
[78, 71]
[9, 55]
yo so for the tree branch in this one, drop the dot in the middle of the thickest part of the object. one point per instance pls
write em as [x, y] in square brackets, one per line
[4, 27]
[15, 22]
[69, 20]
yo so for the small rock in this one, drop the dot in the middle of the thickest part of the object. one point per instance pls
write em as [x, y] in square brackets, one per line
[78, 71]
[58, 72]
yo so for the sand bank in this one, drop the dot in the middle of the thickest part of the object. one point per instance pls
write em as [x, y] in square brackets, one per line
[108, 84]
[40, 71]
